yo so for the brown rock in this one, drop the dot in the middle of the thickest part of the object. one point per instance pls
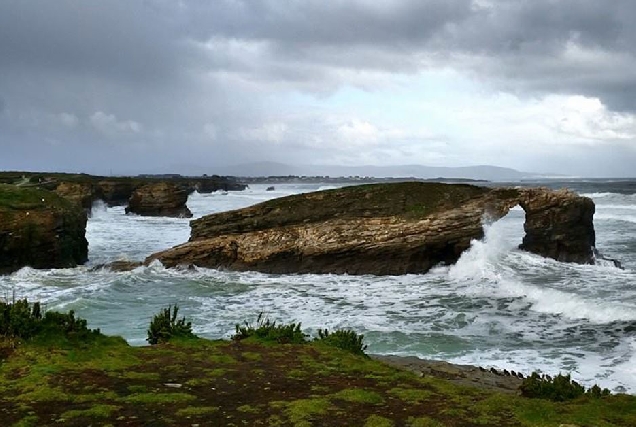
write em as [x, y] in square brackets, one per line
[159, 199]
[116, 192]
[384, 229]
[80, 194]
[40, 229]
[559, 225]
[119, 266]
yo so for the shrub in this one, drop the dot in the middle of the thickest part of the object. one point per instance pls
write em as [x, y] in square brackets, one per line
[559, 388]
[164, 326]
[344, 339]
[20, 319]
[268, 330]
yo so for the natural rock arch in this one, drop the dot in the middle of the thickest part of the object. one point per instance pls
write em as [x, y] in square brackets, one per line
[382, 229]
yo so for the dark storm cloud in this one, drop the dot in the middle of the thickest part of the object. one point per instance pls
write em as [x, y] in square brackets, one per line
[186, 78]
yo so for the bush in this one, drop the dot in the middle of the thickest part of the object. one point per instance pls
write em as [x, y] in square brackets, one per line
[559, 388]
[164, 326]
[344, 339]
[268, 330]
[20, 319]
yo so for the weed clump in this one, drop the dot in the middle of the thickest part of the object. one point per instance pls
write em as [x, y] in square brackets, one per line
[559, 388]
[344, 339]
[164, 326]
[268, 330]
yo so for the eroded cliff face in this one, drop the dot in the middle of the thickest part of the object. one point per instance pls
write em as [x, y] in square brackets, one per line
[40, 229]
[384, 229]
[159, 199]
[559, 225]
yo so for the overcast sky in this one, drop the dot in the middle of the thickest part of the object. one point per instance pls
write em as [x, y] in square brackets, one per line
[156, 86]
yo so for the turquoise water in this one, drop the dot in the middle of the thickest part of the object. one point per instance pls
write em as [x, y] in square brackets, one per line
[497, 307]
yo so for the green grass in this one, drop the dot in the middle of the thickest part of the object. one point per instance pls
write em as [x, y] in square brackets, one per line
[96, 411]
[100, 380]
[22, 198]
[193, 411]
[359, 396]
[158, 398]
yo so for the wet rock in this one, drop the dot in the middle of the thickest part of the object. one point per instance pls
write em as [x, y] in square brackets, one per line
[559, 225]
[118, 266]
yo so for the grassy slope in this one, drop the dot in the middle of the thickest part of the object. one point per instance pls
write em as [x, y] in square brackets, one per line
[250, 383]
[22, 198]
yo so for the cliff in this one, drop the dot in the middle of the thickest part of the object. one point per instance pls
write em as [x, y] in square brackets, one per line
[40, 229]
[159, 199]
[384, 229]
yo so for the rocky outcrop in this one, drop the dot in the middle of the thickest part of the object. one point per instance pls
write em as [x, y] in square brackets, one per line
[159, 199]
[211, 184]
[80, 194]
[115, 192]
[559, 225]
[381, 229]
[40, 229]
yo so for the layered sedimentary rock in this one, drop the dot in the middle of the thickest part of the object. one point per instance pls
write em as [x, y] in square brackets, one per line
[79, 193]
[40, 229]
[381, 229]
[159, 199]
[559, 225]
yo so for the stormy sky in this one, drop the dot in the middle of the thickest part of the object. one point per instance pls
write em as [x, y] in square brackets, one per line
[131, 86]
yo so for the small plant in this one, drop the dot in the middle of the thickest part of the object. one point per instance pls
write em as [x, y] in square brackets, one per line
[165, 326]
[268, 330]
[344, 339]
[559, 388]
[22, 320]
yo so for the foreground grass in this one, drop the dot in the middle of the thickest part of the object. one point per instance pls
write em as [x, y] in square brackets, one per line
[220, 383]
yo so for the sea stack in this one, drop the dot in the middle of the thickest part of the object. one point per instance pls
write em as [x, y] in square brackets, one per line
[159, 199]
[382, 229]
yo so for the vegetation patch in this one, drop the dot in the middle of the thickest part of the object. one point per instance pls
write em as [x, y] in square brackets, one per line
[193, 411]
[378, 421]
[158, 398]
[96, 411]
[559, 388]
[103, 381]
[343, 339]
[411, 395]
[268, 330]
[359, 396]
[165, 326]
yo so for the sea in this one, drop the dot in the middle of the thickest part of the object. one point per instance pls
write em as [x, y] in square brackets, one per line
[496, 307]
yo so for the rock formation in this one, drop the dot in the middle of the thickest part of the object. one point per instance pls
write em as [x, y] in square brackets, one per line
[79, 193]
[115, 192]
[381, 229]
[159, 199]
[559, 225]
[40, 229]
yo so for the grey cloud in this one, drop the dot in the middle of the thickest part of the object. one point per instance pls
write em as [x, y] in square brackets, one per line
[143, 78]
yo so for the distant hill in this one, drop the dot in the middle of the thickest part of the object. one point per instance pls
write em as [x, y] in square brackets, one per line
[485, 172]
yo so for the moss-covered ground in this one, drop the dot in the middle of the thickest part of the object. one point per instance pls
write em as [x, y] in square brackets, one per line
[104, 381]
